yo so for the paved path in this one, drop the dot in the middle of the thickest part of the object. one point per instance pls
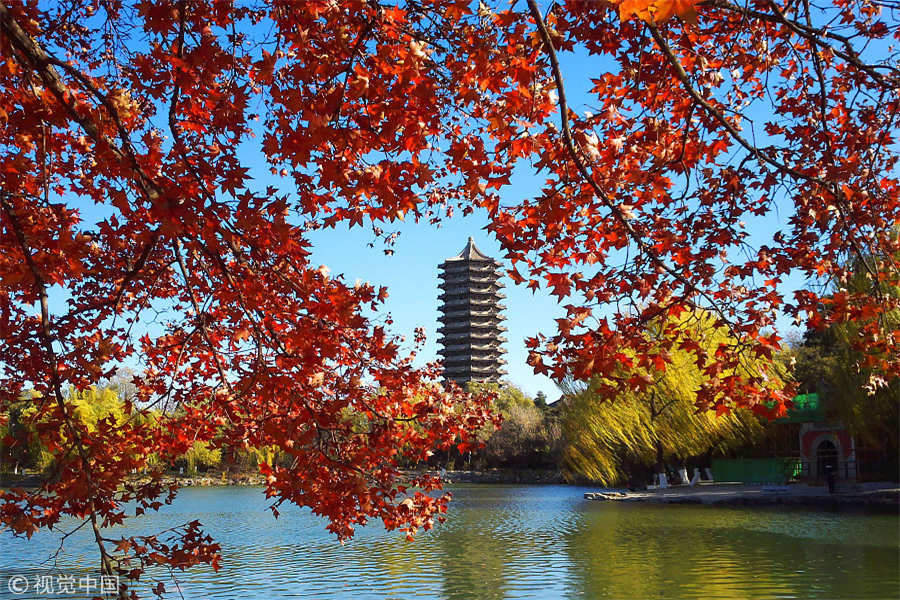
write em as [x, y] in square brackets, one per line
[864, 494]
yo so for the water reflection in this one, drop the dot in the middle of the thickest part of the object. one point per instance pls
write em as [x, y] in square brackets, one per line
[691, 552]
[523, 542]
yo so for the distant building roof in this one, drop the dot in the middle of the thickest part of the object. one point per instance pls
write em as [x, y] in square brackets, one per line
[470, 253]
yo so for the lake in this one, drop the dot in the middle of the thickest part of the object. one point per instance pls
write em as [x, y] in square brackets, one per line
[517, 542]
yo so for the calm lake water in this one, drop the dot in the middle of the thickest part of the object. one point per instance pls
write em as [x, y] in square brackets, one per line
[519, 542]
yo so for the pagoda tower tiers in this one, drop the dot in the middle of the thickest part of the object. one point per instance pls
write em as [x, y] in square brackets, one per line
[472, 329]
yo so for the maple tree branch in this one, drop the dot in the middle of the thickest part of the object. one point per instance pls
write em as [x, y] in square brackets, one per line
[40, 60]
[812, 35]
[43, 63]
[46, 336]
[176, 248]
[754, 150]
[173, 102]
[360, 40]
[815, 43]
[40, 286]
[223, 267]
[137, 268]
[180, 145]
[718, 116]
[55, 556]
[823, 89]
[617, 211]
[170, 388]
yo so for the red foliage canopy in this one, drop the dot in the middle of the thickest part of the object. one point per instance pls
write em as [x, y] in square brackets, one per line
[128, 136]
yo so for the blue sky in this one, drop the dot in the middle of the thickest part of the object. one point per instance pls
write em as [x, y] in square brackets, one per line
[411, 275]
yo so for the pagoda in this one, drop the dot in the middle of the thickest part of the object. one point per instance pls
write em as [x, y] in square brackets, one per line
[471, 330]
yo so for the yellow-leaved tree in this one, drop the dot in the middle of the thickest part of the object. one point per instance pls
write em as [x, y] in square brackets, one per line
[606, 440]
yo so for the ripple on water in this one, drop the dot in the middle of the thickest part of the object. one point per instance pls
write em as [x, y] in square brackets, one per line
[522, 542]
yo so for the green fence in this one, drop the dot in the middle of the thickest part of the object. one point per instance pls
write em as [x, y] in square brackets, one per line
[756, 470]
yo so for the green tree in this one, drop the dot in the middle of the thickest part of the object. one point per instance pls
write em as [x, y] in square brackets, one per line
[831, 362]
[201, 456]
[527, 437]
[19, 446]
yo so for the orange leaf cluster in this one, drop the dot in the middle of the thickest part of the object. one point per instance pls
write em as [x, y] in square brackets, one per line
[658, 11]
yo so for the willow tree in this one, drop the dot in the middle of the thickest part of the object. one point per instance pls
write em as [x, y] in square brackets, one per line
[661, 423]
[23, 423]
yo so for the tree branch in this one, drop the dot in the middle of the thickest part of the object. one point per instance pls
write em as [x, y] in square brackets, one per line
[569, 141]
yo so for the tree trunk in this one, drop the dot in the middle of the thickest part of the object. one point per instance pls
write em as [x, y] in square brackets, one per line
[660, 463]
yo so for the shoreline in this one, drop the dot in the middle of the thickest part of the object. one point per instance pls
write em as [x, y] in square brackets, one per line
[503, 476]
[493, 476]
[497, 476]
[875, 495]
